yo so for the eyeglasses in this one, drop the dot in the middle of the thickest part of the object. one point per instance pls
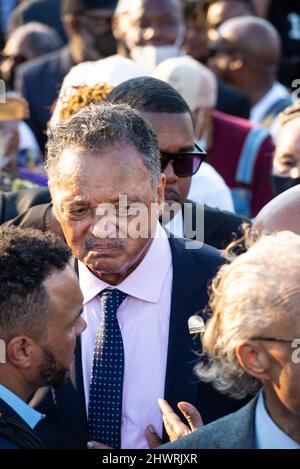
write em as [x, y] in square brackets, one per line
[273, 339]
[185, 163]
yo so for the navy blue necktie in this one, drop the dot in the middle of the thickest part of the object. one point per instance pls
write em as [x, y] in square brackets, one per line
[106, 387]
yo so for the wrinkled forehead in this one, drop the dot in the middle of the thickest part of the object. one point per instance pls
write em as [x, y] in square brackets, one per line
[98, 174]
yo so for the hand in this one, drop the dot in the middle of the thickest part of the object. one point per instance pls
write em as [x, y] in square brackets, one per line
[96, 445]
[175, 428]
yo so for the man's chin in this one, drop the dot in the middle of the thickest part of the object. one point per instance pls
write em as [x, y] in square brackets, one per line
[60, 379]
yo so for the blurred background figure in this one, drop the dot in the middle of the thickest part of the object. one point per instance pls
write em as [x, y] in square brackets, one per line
[246, 54]
[218, 11]
[111, 71]
[26, 43]
[20, 162]
[6, 8]
[195, 42]
[42, 11]
[240, 152]
[88, 28]
[286, 165]
[149, 31]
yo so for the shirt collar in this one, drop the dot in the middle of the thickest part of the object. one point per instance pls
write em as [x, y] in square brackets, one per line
[268, 434]
[154, 266]
[258, 111]
[175, 225]
[27, 413]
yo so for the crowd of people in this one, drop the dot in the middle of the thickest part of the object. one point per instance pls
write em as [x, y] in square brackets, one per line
[149, 200]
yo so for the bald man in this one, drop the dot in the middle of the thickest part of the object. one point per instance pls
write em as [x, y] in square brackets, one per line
[246, 54]
[282, 213]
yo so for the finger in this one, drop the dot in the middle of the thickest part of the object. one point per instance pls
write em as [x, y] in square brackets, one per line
[96, 445]
[175, 428]
[191, 414]
[152, 437]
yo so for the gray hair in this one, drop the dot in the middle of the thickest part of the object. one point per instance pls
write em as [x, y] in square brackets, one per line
[103, 124]
[249, 296]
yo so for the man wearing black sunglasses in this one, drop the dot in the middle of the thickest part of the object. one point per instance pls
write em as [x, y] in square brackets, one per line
[181, 157]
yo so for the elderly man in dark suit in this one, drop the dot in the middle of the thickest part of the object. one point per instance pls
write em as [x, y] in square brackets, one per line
[139, 288]
[88, 27]
[252, 341]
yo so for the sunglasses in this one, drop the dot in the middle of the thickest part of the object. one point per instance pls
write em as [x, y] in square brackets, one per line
[185, 163]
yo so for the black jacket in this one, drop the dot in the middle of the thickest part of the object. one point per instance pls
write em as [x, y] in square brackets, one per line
[39, 81]
[14, 431]
[232, 101]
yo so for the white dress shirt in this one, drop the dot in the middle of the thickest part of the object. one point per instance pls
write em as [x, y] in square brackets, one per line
[268, 434]
[208, 187]
[144, 318]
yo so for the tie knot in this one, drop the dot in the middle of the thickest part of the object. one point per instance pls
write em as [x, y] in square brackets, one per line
[111, 299]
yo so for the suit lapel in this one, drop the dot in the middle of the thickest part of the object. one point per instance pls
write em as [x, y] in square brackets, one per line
[188, 297]
[70, 402]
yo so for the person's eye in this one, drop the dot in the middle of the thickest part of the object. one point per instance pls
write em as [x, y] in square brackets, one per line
[79, 212]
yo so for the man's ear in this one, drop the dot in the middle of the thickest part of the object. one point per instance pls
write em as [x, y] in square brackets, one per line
[20, 351]
[161, 188]
[254, 359]
[160, 194]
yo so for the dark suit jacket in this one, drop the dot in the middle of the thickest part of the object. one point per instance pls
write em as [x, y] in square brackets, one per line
[220, 227]
[12, 204]
[42, 11]
[39, 81]
[235, 431]
[66, 422]
[14, 431]
[232, 101]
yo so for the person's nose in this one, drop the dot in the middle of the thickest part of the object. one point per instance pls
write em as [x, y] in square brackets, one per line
[103, 226]
[169, 172]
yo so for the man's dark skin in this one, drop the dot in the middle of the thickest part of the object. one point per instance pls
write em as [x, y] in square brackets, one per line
[220, 11]
[89, 34]
[154, 22]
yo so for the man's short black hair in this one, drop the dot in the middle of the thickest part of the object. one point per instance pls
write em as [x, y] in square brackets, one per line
[147, 94]
[27, 258]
